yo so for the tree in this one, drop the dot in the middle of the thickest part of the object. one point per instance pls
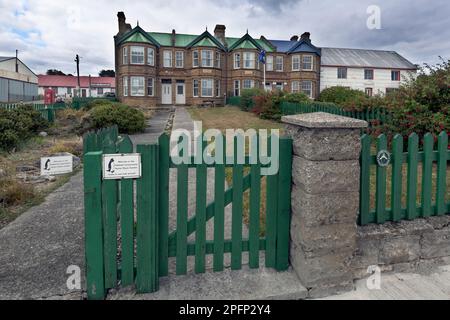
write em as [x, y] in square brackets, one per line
[107, 73]
[55, 72]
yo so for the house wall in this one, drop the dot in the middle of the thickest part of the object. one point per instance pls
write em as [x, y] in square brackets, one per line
[355, 79]
[8, 70]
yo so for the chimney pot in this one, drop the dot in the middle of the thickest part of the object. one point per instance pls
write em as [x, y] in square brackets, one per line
[219, 32]
[306, 36]
[294, 38]
[123, 26]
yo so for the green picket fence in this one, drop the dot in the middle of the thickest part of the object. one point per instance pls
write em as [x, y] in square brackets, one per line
[47, 111]
[413, 185]
[111, 202]
[379, 114]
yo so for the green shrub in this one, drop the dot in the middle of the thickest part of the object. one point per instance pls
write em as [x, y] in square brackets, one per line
[247, 95]
[18, 125]
[129, 120]
[299, 97]
[341, 95]
[96, 102]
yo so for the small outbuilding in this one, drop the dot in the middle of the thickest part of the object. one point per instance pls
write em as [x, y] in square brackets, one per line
[17, 81]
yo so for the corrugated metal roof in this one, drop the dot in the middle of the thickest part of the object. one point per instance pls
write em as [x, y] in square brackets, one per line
[71, 81]
[364, 58]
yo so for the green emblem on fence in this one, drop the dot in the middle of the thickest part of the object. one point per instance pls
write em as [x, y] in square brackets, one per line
[383, 158]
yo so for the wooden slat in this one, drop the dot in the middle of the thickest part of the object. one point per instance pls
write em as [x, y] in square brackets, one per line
[441, 173]
[93, 225]
[236, 220]
[127, 221]
[284, 204]
[200, 234]
[109, 198]
[381, 184]
[396, 181]
[364, 202]
[413, 146]
[163, 204]
[182, 214]
[255, 202]
[219, 201]
[271, 217]
[427, 172]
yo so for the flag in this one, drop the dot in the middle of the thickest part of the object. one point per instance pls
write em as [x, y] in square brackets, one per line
[262, 56]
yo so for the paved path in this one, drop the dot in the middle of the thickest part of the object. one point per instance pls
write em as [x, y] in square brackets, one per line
[37, 248]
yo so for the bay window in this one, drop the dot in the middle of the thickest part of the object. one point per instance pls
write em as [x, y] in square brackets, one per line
[269, 63]
[137, 55]
[217, 88]
[279, 63]
[237, 88]
[151, 56]
[207, 87]
[296, 63]
[237, 60]
[125, 55]
[217, 61]
[125, 86]
[195, 62]
[207, 59]
[295, 86]
[195, 88]
[150, 87]
[249, 60]
[248, 84]
[137, 86]
[307, 88]
[307, 63]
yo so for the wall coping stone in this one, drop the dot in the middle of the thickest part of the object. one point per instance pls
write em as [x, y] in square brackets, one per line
[323, 120]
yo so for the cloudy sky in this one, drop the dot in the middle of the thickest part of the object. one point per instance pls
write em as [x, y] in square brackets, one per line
[48, 33]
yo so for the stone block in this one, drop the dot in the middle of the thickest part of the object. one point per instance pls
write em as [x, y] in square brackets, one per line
[323, 177]
[325, 144]
[400, 249]
[320, 209]
[436, 244]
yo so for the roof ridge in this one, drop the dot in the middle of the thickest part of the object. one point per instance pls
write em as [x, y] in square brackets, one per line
[362, 49]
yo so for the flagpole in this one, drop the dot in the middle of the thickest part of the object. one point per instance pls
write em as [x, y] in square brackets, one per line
[264, 85]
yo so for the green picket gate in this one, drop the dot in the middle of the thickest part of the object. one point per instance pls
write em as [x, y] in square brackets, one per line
[139, 211]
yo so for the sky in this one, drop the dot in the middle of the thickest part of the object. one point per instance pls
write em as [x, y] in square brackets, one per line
[48, 34]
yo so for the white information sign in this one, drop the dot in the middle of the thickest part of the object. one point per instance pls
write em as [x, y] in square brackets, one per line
[121, 166]
[56, 165]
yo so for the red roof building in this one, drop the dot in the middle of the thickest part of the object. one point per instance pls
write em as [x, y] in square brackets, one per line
[64, 86]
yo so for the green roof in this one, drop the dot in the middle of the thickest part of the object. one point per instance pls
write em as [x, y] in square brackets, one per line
[205, 42]
[165, 39]
[137, 37]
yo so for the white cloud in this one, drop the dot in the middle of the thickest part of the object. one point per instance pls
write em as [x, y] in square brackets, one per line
[50, 33]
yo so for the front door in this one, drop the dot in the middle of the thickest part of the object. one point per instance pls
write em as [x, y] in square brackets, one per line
[166, 97]
[181, 94]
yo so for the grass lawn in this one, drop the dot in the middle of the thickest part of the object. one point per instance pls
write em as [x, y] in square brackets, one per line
[233, 118]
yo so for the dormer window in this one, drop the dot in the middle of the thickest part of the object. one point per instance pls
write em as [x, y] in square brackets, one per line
[137, 55]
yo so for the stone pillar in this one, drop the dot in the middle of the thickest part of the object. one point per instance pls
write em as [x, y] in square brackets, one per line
[325, 199]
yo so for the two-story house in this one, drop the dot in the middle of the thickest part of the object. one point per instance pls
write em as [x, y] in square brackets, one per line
[154, 68]
[371, 71]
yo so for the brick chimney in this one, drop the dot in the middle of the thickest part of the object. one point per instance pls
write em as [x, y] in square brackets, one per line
[123, 26]
[219, 32]
[294, 38]
[306, 36]
[173, 38]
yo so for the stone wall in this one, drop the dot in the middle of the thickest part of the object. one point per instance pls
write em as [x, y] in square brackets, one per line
[403, 246]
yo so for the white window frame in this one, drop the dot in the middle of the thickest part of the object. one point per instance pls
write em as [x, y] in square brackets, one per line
[217, 60]
[137, 52]
[206, 59]
[237, 60]
[366, 91]
[177, 60]
[125, 86]
[277, 63]
[134, 90]
[249, 60]
[195, 86]
[217, 87]
[251, 83]
[302, 88]
[125, 55]
[151, 84]
[150, 56]
[238, 88]
[295, 86]
[204, 87]
[296, 64]
[167, 58]
[195, 59]
[269, 63]
[310, 62]
[339, 73]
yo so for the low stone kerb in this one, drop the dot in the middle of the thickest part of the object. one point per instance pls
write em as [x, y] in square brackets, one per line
[324, 120]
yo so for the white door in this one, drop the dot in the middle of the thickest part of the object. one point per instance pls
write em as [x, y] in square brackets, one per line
[166, 97]
[181, 94]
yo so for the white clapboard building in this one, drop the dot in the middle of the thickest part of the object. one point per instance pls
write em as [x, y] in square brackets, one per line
[371, 71]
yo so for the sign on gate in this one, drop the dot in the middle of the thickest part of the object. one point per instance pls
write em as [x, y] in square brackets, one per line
[56, 165]
[121, 166]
